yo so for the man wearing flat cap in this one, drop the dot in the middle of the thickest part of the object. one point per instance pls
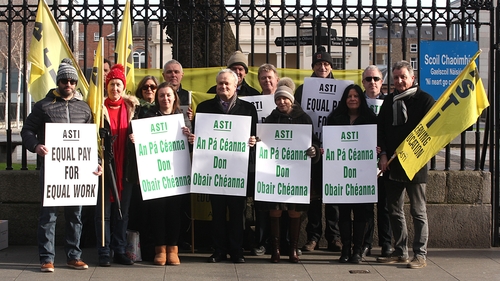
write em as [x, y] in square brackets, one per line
[60, 105]
[238, 63]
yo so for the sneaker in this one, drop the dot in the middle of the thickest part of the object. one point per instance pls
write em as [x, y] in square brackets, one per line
[393, 259]
[47, 267]
[310, 246]
[77, 264]
[417, 262]
[259, 251]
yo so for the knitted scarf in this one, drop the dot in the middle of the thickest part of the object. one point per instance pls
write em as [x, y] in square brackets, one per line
[399, 111]
[118, 121]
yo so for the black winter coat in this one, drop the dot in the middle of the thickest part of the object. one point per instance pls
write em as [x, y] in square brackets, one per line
[52, 109]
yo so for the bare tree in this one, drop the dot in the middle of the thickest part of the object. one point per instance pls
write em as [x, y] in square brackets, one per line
[207, 27]
[16, 58]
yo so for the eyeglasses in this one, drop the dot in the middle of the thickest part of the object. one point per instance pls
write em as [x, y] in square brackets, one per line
[375, 78]
[147, 87]
[65, 81]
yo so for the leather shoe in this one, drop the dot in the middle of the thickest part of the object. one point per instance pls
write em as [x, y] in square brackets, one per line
[104, 261]
[386, 250]
[343, 259]
[238, 259]
[335, 245]
[355, 258]
[310, 246]
[217, 257]
[122, 259]
[366, 251]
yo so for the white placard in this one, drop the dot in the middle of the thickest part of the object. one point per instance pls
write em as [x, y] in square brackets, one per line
[282, 169]
[374, 105]
[350, 164]
[162, 154]
[320, 97]
[264, 104]
[220, 154]
[69, 165]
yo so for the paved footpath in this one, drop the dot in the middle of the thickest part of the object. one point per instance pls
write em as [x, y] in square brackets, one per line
[21, 263]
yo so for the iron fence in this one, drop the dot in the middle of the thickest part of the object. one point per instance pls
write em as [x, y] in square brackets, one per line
[183, 24]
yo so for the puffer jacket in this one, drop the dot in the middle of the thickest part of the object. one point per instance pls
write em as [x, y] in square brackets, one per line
[52, 109]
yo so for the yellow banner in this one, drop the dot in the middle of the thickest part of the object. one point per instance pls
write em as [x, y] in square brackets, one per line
[96, 89]
[47, 49]
[124, 47]
[456, 110]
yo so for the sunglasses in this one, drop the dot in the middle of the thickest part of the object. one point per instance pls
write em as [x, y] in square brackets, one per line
[65, 81]
[375, 78]
[147, 87]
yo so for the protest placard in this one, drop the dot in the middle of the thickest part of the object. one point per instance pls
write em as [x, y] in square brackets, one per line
[69, 165]
[162, 153]
[282, 172]
[220, 154]
[264, 104]
[320, 97]
[350, 164]
[374, 105]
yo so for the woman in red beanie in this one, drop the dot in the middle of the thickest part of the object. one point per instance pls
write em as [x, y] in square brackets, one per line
[119, 110]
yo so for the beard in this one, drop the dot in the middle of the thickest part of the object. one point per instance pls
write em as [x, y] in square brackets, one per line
[66, 91]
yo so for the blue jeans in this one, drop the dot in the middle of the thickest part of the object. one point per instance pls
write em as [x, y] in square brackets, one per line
[47, 230]
[115, 240]
[395, 200]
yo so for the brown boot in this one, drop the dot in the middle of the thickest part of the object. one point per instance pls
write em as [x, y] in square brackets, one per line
[161, 255]
[294, 230]
[172, 255]
[275, 239]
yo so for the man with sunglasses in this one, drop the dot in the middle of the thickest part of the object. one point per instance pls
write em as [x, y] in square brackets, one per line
[60, 105]
[372, 82]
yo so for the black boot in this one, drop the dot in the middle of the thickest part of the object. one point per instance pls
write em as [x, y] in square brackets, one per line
[294, 224]
[275, 239]
[357, 237]
[345, 236]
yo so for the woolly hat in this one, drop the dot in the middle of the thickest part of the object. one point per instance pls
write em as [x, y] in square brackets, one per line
[284, 91]
[238, 58]
[286, 81]
[117, 72]
[322, 55]
[66, 71]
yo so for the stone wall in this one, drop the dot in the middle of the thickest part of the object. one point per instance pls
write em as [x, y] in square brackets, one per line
[459, 209]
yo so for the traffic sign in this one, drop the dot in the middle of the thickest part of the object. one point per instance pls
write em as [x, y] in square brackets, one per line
[308, 41]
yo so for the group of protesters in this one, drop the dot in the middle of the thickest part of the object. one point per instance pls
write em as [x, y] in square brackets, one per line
[349, 228]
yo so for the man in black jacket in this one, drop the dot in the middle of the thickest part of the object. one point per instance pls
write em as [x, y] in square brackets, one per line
[401, 112]
[322, 67]
[238, 63]
[60, 105]
[173, 73]
[227, 102]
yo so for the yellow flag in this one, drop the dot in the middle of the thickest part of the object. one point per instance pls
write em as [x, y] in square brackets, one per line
[456, 110]
[96, 89]
[48, 48]
[124, 48]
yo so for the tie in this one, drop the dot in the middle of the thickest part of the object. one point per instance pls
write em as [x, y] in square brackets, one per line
[225, 106]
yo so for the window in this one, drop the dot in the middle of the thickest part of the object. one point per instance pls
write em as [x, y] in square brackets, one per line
[413, 48]
[96, 36]
[139, 59]
[414, 64]
[337, 63]
[81, 37]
